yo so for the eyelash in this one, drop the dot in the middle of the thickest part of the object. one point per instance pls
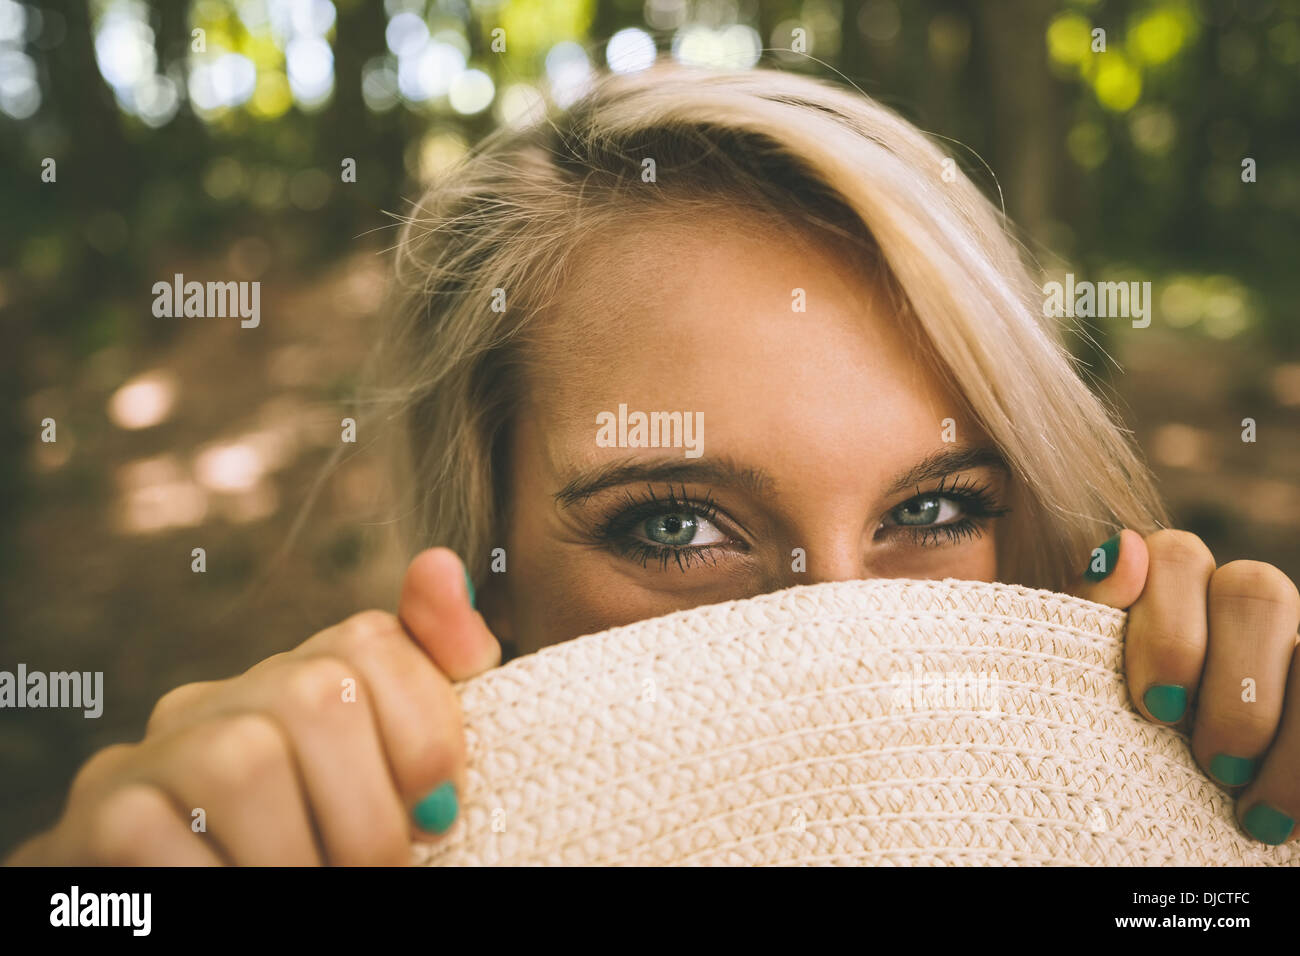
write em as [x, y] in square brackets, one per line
[978, 503]
[619, 522]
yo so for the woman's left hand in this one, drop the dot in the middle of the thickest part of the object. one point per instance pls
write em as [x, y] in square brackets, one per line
[1213, 650]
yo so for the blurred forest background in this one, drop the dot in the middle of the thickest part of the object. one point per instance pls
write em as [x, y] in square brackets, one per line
[208, 138]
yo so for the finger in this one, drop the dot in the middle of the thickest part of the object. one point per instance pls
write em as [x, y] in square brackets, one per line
[360, 817]
[173, 708]
[139, 825]
[1115, 571]
[411, 704]
[1269, 807]
[435, 607]
[99, 772]
[1164, 650]
[317, 700]
[416, 708]
[236, 778]
[1254, 612]
[34, 851]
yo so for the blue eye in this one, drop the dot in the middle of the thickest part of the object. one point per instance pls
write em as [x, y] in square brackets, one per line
[926, 510]
[676, 529]
[949, 514]
[667, 528]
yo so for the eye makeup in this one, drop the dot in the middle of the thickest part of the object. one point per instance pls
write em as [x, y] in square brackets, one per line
[631, 524]
[973, 502]
[669, 526]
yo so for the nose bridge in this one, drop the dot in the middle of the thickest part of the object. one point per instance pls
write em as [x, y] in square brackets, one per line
[841, 565]
[834, 551]
[831, 519]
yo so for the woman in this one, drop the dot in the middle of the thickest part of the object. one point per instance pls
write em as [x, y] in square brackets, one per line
[702, 337]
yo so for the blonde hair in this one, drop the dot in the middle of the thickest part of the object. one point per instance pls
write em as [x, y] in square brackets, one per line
[509, 216]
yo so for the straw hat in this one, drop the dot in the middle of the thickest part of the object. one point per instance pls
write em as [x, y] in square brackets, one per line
[886, 722]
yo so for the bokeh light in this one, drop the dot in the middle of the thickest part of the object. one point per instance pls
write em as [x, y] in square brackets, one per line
[630, 50]
[13, 22]
[569, 71]
[311, 70]
[124, 47]
[734, 47]
[1153, 129]
[1117, 82]
[428, 74]
[144, 401]
[20, 94]
[520, 104]
[406, 34]
[273, 95]
[665, 14]
[470, 92]
[157, 494]
[156, 100]
[379, 84]
[1159, 35]
[126, 54]
[1176, 445]
[227, 468]
[233, 78]
[436, 152]
[1069, 39]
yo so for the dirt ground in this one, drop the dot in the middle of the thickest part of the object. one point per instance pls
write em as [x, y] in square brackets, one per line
[106, 582]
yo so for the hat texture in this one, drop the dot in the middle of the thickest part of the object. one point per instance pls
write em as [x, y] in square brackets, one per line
[883, 722]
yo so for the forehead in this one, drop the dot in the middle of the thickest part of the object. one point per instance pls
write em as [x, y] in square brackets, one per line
[697, 316]
[707, 306]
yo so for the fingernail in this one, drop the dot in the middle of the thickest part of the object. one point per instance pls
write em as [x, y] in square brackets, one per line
[1166, 702]
[1267, 825]
[1103, 559]
[469, 586]
[437, 812]
[1232, 771]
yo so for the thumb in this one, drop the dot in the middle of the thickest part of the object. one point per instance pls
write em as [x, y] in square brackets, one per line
[436, 608]
[1115, 571]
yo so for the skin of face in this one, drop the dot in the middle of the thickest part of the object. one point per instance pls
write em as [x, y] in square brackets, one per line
[812, 421]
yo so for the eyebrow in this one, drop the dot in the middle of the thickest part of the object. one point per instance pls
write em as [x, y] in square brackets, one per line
[947, 462]
[756, 481]
[721, 470]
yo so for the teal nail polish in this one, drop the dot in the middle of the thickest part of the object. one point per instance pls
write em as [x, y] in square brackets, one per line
[1232, 771]
[437, 812]
[1166, 702]
[1267, 825]
[1103, 559]
[469, 587]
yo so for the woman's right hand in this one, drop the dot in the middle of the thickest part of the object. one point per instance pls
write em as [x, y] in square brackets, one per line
[326, 754]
